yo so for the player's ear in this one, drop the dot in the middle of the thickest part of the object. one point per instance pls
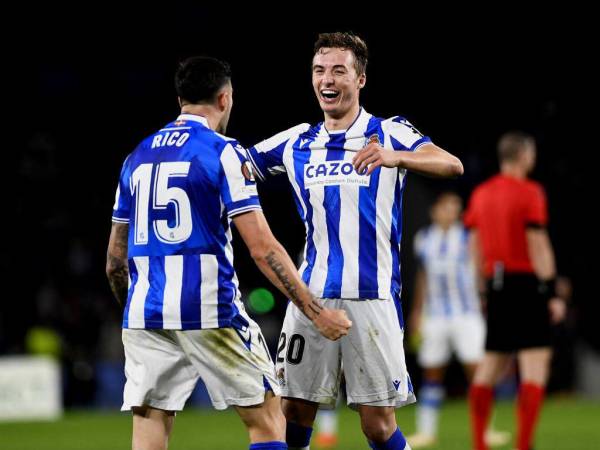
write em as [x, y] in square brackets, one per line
[179, 101]
[362, 80]
[222, 100]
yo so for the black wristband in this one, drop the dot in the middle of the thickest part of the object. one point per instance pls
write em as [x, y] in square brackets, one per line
[546, 288]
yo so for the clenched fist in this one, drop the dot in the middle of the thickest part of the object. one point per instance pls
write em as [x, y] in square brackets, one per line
[332, 323]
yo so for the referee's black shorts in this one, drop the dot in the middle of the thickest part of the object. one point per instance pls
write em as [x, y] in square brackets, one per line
[517, 314]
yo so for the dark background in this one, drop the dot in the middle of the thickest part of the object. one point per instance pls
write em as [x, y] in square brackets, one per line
[86, 85]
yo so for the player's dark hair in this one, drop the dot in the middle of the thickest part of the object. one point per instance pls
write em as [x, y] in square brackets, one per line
[198, 79]
[347, 41]
[512, 143]
[447, 195]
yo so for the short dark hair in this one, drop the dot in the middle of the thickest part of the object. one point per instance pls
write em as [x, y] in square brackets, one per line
[512, 143]
[347, 41]
[447, 195]
[199, 78]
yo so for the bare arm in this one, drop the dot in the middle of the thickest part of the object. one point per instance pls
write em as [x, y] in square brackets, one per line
[429, 160]
[274, 262]
[116, 262]
[541, 255]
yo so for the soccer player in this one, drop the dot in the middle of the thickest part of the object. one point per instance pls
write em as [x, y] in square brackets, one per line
[507, 215]
[170, 264]
[446, 314]
[347, 174]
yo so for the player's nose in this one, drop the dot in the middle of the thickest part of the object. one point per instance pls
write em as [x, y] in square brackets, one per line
[328, 79]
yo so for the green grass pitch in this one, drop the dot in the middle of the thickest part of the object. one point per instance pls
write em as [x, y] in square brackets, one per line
[566, 424]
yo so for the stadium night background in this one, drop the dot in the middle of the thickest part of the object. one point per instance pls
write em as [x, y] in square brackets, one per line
[87, 91]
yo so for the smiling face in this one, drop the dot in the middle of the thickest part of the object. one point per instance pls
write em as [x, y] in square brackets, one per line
[335, 81]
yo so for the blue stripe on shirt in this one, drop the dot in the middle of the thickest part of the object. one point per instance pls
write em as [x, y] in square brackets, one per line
[133, 275]
[190, 290]
[153, 306]
[332, 206]
[301, 157]
[368, 285]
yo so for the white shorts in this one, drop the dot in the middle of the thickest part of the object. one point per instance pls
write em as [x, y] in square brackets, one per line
[463, 335]
[163, 366]
[371, 357]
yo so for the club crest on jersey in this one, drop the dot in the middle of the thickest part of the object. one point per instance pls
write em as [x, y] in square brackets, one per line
[281, 377]
[248, 171]
[373, 139]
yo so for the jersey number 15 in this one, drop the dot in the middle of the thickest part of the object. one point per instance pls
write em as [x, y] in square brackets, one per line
[162, 195]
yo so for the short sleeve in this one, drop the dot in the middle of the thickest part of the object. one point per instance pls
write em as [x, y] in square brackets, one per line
[267, 156]
[122, 205]
[237, 182]
[537, 209]
[403, 135]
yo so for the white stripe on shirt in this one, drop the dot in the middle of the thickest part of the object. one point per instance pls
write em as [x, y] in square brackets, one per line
[209, 291]
[137, 304]
[172, 293]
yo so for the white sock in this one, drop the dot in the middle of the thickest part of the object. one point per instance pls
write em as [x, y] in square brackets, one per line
[430, 400]
[327, 421]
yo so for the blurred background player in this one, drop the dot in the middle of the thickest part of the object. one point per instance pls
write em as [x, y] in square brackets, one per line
[348, 174]
[446, 315]
[326, 426]
[507, 216]
[170, 264]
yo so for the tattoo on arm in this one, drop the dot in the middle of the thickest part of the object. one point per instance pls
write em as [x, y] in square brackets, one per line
[116, 262]
[279, 270]
[118, 279]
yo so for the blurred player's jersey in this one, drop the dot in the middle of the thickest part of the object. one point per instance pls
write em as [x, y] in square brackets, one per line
[353, 221]
[501, 209]
[178, 191]
[450, 274]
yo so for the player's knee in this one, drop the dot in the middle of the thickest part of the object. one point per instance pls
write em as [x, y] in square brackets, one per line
[302, 413]
[277, 428]
[377, 429]
[291, 411]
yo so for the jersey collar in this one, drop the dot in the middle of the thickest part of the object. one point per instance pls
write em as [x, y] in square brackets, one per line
[342, 132]
[193, 118]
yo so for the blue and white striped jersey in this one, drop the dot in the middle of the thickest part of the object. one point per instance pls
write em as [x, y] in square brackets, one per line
[178, 191]
[450, 272]
[353, 221]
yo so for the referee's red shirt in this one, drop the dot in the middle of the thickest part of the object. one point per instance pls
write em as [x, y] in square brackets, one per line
[501, 209]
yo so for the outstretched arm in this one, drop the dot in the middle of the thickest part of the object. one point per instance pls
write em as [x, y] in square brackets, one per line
[428, 159]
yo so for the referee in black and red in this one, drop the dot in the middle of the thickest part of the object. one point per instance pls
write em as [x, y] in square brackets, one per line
[507, 216]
